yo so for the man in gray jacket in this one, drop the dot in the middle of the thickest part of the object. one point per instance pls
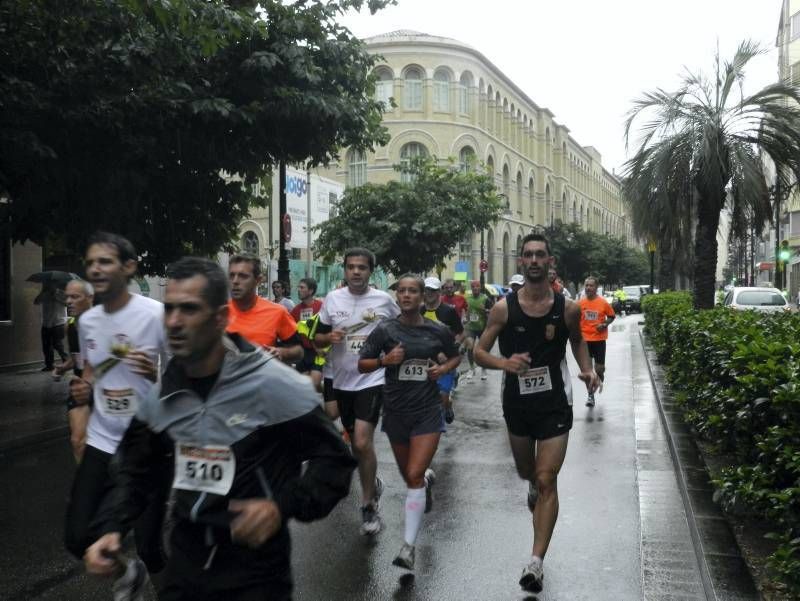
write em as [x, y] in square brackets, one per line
[227, 429]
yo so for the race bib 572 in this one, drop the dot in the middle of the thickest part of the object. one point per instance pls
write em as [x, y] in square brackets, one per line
[535, 380]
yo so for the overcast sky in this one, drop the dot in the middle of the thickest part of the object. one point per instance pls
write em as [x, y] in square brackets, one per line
[586, 60]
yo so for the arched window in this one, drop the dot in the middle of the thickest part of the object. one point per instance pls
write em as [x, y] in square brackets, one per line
[518, 200]
[507, 258]
[250, 243]
[384, 87]
[490, 167]
[408, 152]
[548, 206]
[464, 85]
[532, 198]
[507, 186]
[466, 159]
[356, 168]
[441, 91]
[413, 90]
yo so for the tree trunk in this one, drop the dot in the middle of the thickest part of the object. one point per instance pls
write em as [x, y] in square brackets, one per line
[666, 266]
[705, 252]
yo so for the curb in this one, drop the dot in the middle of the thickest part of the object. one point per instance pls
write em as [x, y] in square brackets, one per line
[716, 583]
[21, 442]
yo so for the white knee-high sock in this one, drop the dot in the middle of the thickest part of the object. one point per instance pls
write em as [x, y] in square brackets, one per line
[415, 508]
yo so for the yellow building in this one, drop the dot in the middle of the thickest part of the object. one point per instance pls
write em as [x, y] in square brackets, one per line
[788, 42]
[453, 102]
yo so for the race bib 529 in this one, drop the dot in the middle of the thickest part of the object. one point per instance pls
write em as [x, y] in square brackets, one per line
[119, 402]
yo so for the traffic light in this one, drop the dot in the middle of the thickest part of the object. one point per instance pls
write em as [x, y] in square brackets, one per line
[785, 253]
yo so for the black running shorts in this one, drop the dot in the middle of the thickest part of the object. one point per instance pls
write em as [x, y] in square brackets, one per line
[401, 427]
[538, 425]
[597, 350]
[359, 404]
[327, 390]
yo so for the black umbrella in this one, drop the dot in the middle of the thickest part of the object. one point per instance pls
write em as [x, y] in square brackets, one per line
[59, 278]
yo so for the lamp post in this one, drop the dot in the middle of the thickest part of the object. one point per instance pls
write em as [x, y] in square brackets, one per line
[283, 257]
[651, 248]
[482, 276]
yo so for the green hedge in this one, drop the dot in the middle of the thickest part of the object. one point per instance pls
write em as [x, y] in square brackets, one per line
[736, 374]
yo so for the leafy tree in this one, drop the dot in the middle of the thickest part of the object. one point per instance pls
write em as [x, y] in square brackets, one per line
[123, 114]
[580, 253]
[411, 227]
[711, 140]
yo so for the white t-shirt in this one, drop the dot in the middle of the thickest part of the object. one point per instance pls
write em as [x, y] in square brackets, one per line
[104, 339]
[357, 314]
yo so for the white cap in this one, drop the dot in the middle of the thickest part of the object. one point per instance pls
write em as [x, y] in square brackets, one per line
[517, 279]
[433, 283]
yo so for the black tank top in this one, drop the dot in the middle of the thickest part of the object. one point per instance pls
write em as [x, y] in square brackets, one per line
[545, 338]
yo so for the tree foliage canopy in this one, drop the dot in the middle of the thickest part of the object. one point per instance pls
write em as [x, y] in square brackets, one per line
[412, 227]
[122, 114]
[580, 253]
[702, 149]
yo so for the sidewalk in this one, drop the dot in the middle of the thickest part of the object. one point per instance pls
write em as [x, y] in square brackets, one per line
[31, 408]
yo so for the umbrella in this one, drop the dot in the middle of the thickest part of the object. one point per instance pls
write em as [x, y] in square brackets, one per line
[53, 277]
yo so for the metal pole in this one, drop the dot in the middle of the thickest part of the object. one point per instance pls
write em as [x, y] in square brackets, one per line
[652, 271]
[308, 224]
[482, 276]
[777, 231]
[283, 258]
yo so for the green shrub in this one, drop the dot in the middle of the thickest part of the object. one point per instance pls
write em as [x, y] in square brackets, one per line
[736, 375]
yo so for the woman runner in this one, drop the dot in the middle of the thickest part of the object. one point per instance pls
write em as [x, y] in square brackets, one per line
[408, 347]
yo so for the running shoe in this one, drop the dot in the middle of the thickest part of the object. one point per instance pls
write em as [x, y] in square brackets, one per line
[430, 480]
[590, 400]
[469, 374]
[449, 415]
[484, 376]
[405, 559]
[532, 578]
[370, 520]
[131, 585]
[533, 496]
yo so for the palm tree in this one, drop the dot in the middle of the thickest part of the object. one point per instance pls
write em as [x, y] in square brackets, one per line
[712, 140]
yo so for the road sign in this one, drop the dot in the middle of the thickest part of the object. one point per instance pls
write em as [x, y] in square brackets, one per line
[287, 227]
[484, 266]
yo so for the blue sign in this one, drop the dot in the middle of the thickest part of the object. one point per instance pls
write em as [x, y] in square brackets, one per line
[296, 185]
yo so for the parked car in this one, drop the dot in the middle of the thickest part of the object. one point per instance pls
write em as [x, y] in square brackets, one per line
[633, 298]
[762, 299]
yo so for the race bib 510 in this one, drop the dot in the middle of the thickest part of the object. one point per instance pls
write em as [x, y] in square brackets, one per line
[204, 468]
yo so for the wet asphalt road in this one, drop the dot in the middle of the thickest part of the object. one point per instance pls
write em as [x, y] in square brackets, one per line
[473, 544]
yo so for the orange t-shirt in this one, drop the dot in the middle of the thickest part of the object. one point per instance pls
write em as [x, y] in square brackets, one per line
[593, 313]
[264, 324]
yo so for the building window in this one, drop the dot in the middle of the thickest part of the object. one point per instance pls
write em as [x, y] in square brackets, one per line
[408, 152]
[413, 90]
[356, 168]
[441, 91]
[466, 159]
[333, 205]
[796, 25]
[465, 249]
[384, 88]
[250, 243]
[464, 85]
[5, 278]
[794, 74]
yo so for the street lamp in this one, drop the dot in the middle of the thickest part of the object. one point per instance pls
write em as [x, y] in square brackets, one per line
[651, 248]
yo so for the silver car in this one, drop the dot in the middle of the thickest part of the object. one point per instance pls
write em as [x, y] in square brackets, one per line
[765, 300]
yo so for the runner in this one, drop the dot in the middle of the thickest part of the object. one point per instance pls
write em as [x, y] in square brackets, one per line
[303, 312]
[259, 320]
[121, 341]
[347, 317]
[596, 316]
[436, 310]
[79, 295]
[227, 430]
[533, 326]
[410, 346]
[280, 290]
[449, 297]
[516, 282]
[478, 305]
[556, 283]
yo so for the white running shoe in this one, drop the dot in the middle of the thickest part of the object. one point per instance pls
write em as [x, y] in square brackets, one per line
[532, 578]
[370, 520]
